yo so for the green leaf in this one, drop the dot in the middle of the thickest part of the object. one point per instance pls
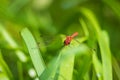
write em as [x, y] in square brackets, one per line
[97, 65]
[116, 67]
[104, 46]
[114, 5]
[33, 51]
[49, 72]
[4, 69]
[66, 68]
[62, 66]
[20, 70]
[11, 42]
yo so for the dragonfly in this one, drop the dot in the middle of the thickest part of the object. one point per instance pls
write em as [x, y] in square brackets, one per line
[68, 39]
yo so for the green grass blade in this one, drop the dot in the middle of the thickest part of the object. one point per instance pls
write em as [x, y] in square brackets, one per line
[17, 5]
[89, 33]
[116, 67]
[64, 58]
[4, 68]
[67, 65]
[66, 68]
[84, 63]
[104, 47]
[84, 27]
[94, 75]
[22, 57]
[105, 50]
[87, 77]
[114, 5]
[97, 65]
[49, 72]
[20, 70]
[33, 51]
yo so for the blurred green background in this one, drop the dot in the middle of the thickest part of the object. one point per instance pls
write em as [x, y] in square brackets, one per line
[47, 20]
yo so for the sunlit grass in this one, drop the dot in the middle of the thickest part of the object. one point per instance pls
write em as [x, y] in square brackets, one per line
[92, 55]
[33, 51]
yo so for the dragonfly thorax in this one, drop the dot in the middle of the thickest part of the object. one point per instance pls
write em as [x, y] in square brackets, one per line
[67, 40]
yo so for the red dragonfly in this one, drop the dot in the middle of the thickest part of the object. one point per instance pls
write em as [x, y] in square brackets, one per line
[68, 39]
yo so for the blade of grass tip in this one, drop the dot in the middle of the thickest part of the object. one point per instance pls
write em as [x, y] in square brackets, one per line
[84, 26]
[22, 57]
[114, 61]
[6, 68]
[89, 33]
[33, 51]
[96, 62]
[104, 47]
[85, 30]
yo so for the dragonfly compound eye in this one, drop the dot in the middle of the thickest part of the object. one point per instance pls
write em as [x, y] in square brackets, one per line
[69, 38]
[66, 42]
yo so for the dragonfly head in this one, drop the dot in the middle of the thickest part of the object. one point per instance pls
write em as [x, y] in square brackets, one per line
[67, 40]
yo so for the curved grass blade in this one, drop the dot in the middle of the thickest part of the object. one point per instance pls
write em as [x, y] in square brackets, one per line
[51, 69]
[104, 47]
[114, 5]
[12, 43]
[84, 65]
[97, 65]
[66, 68]
[33, 51]
[64, 58]
[114, 61]
[84, 26]
[89, 33]
[5, 68]
[17, 5]
[20, 70]
[116, 67]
